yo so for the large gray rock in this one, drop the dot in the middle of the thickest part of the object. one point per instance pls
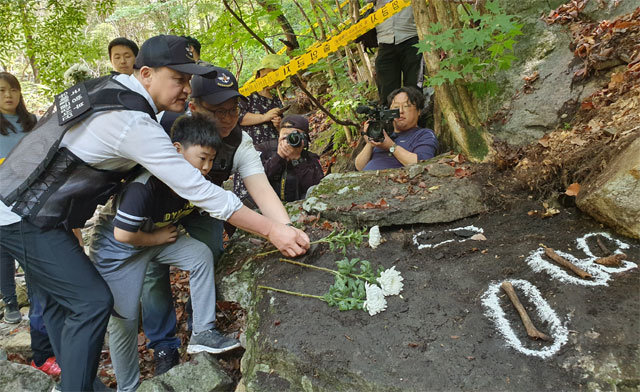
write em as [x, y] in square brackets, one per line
[435, 337]
[201, 374]
[15, 377]
[17, 343]
[544, 49]
[614, 196]
[428, 192]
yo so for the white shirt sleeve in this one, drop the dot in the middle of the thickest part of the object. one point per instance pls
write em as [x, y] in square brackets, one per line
[247, 161]
[146, 143]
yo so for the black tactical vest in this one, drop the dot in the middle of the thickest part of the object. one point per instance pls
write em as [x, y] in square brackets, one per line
[50, 186]
[223, 163]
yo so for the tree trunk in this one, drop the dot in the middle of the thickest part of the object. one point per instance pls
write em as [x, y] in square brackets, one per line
[454, 101]
[354, 12]
[291, 41]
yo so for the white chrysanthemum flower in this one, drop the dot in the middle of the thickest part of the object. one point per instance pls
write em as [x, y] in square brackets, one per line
[391, 281]
[374, 237]
[375, 302]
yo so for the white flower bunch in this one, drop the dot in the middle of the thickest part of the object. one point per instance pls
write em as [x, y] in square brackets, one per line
[375, 302]
[78, 72]
[374, 237]
[391, 281]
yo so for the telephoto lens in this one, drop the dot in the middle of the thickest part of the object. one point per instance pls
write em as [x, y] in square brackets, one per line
[295, 139]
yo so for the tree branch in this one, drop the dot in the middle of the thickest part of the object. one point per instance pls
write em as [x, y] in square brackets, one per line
[242, 22]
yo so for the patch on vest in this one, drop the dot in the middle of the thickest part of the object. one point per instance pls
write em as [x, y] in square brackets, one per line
[72, 103]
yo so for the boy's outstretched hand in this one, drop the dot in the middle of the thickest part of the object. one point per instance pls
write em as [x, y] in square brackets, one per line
[290, 241]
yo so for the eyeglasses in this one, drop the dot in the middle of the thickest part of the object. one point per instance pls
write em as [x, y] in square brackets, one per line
[222, 113]
[404, 107]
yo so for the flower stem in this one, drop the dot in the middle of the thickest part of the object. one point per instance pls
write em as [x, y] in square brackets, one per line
[276, 250]
[310, 266]
[291, 292]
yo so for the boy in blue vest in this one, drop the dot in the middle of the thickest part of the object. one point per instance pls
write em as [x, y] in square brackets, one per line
[141, 227]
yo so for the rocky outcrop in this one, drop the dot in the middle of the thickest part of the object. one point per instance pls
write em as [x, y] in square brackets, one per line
[428, 192]
[202, 373]
[520, 116]
[435, 336]
[614, 196]
[15, 377]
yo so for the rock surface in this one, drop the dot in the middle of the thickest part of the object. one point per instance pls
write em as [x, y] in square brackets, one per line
[614, 196]
[554, 97]
[15, 377]
[428, 192]
[437, 336]
[202, 373]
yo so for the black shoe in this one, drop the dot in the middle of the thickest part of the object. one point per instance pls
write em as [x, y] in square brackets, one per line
[12, 313]
[165, 359]
[211, 341]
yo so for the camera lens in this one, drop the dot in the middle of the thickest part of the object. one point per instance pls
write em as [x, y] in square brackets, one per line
[294, 139]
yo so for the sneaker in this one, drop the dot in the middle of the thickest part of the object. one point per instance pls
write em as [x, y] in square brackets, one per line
[12, 313]
[165, 359]
[211, 341]
[50, 367]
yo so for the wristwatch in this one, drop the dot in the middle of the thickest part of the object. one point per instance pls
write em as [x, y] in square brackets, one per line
[392, 149]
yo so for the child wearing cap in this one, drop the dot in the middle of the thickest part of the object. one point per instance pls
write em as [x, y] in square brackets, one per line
[289, 166]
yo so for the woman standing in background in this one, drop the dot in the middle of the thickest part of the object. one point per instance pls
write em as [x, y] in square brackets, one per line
[15, 122]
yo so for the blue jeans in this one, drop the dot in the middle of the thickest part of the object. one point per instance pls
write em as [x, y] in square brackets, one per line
[40, 344]
[158, 314]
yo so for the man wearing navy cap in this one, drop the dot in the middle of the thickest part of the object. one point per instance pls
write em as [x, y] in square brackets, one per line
[77, 301]
[217, 98]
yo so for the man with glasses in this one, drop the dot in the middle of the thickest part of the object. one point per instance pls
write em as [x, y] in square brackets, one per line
[408, 143]
[216, 98]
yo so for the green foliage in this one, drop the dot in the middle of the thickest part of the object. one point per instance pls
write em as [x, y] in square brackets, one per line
[340, 240]
[475, 51]
[49, 34]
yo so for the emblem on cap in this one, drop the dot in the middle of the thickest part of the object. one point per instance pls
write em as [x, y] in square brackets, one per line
[189, 53]
[224, 80]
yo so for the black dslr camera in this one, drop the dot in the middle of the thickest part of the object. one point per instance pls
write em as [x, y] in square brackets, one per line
[297, 139]
[380, 119]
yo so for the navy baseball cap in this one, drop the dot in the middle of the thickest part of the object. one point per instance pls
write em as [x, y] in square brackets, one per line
[296, 121]
[215, 88]
[170, 51]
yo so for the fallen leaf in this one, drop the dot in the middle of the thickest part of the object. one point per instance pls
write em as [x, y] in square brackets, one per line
[578, 141]
[573, 189]
[587, 105]
[327, 226]
[413, 345]
[478, 237]
[532, 212]
[461, 172]
[550, 212]
[435, 187]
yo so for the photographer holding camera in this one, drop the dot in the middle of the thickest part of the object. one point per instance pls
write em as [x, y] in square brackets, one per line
[289, 166]
[407, 144]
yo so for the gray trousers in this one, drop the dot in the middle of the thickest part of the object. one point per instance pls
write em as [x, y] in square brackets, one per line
[125, 278]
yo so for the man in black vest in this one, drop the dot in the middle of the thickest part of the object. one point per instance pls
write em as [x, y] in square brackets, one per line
[98, 151]
[217, 98]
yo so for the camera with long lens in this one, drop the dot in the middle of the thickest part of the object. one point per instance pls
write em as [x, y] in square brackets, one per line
[297, 139]
[380, 120]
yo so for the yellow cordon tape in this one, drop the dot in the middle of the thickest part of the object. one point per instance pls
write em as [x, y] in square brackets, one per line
[321, 50]
[340, 26]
